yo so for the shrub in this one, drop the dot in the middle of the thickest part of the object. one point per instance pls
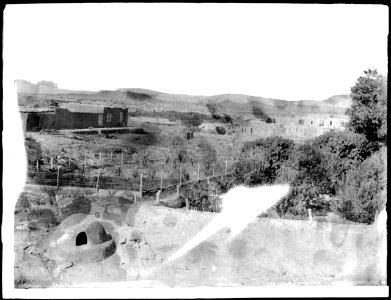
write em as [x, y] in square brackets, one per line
[364, 192]
[226, 183]
[199, 196]
[220, 130]
[309, 163]
[261, 159]
[342, 151]
[298, 201]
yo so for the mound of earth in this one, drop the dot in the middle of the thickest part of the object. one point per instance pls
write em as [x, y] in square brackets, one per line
[71, 202]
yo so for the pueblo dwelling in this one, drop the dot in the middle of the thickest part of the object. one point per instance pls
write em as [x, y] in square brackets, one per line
[73, 116]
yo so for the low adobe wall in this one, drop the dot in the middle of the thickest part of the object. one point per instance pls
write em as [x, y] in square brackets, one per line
[322, 252]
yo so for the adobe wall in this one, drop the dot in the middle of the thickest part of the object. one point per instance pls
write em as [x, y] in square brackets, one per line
[115, 117]
[64, 119]
[338, 252]
[295, 126]
[23, 118]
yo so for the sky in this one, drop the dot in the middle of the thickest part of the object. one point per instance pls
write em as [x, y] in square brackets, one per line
[290, 52]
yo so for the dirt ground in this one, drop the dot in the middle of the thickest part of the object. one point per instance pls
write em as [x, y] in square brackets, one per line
[267, 252]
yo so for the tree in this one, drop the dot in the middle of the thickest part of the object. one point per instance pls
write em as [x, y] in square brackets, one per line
[368, 112]
[342, 150]
[365, 191]
[307, 161]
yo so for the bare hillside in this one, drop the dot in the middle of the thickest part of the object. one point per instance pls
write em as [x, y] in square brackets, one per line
[138, 99]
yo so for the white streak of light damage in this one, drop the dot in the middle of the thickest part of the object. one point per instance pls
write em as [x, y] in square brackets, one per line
[240, 206]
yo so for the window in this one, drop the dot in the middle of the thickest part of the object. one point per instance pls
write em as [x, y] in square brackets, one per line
[108, 118]
[100, 120]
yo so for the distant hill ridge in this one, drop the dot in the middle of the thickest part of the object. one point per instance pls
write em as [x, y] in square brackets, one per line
[139, 94]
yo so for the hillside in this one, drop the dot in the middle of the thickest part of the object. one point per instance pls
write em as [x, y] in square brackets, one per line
[138, 99]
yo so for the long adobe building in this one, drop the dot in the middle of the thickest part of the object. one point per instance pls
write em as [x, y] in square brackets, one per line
[73, 116]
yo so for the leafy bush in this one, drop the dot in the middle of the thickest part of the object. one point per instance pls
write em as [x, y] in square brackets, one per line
[199, 196]
[342, 151]
[261, 159]
[304, 171]
[298, 200]
[226, 183]
[364, 192]
[220, 130]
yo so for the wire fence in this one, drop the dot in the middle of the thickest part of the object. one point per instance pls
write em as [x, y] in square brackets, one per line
[62, 179]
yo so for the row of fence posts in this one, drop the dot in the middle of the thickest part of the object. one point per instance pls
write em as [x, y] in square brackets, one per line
[141, 177]
[122, 162]
[85, 160]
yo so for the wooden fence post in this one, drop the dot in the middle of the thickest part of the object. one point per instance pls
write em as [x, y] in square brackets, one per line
[100, 158]
[97, 182]
[85, 160]
[198, 172]
[58, 178]
[180, 175]
[226, 167]
[177, 189]
[141, 185]
[187, 204]
[37, 166]
[309, 214]
[51, 163]
[157, 200]
[161, 179]
[134, 198]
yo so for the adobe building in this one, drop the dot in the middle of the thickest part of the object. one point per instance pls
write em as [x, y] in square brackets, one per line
[80, 238]
[73, 116]
[211, 127]
[152, 120]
